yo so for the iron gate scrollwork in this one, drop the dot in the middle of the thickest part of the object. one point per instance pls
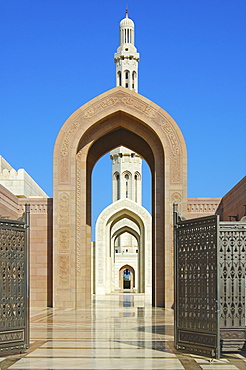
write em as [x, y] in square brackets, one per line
[197, 285]
[14, 285]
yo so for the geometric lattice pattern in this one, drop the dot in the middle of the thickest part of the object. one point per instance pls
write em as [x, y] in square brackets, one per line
[13, 285]
[197, 319]
[232, 262]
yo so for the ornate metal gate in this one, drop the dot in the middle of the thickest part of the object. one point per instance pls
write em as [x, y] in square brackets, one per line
[197, 323]
[232, 261]
[14, 285]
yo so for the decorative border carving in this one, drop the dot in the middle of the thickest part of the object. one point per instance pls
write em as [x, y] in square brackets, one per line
[135, 103]
[202, 207]
[12, 336]
[78, 241]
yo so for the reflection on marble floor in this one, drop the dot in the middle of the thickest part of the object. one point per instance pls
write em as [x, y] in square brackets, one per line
[117, 332]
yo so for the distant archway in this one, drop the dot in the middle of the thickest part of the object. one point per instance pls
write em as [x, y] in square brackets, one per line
[121, 216]
[117, 117]
[127, 278]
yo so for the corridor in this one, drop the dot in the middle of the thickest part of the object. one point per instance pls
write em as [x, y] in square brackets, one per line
[117, 332]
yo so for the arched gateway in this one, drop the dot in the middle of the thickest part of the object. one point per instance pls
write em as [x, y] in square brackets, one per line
[117, 117]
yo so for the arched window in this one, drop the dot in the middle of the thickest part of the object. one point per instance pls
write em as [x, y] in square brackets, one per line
[127, 185]
[119, 78]
[137, 177]
[118, 186]
[134, 77]
[127, 78]
[136, 188]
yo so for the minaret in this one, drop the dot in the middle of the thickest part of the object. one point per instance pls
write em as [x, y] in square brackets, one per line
[126, 175]
[127, 57]
[126, 165]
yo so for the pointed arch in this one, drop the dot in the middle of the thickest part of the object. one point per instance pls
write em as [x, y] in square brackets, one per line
[118, 117]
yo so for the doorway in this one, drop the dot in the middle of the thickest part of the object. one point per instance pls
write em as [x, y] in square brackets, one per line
[127, 278]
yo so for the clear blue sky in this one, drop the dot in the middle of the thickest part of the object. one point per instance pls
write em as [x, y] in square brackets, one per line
[58, 54]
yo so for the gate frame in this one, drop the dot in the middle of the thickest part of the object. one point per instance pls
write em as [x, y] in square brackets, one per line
[231, 330]
[194, 346]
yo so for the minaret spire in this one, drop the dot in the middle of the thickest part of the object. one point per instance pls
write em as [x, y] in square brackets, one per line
[127, 57]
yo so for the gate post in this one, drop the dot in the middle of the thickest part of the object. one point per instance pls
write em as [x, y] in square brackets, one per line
[175, 220]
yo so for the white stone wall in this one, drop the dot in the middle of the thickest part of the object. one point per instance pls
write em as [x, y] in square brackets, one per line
[122, 259]
[19, 182]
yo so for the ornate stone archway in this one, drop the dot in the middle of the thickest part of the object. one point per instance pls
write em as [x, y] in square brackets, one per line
[117, 117]
[136, 220]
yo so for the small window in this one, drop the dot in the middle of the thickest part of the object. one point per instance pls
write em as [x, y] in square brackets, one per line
[136, 250]
[116, 251]
[126, 84]
[126, 250]
[126, 49]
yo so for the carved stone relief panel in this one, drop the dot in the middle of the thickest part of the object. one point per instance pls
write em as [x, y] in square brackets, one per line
[63, 270]
[63, 241]
[63, 210]
[176, 197]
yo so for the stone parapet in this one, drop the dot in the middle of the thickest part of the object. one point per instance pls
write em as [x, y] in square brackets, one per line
[201, 207]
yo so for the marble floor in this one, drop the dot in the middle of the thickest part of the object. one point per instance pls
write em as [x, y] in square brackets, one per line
[117, 332]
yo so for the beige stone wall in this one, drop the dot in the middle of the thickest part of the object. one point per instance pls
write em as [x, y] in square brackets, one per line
[201, 207]
[41, 242]
[41, 258]
[232, 204]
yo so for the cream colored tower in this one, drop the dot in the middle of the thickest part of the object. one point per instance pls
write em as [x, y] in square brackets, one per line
[127, 57]
[126, 165]
[126, 175]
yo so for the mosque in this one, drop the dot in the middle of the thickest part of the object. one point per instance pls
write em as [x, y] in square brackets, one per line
[133, 251]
